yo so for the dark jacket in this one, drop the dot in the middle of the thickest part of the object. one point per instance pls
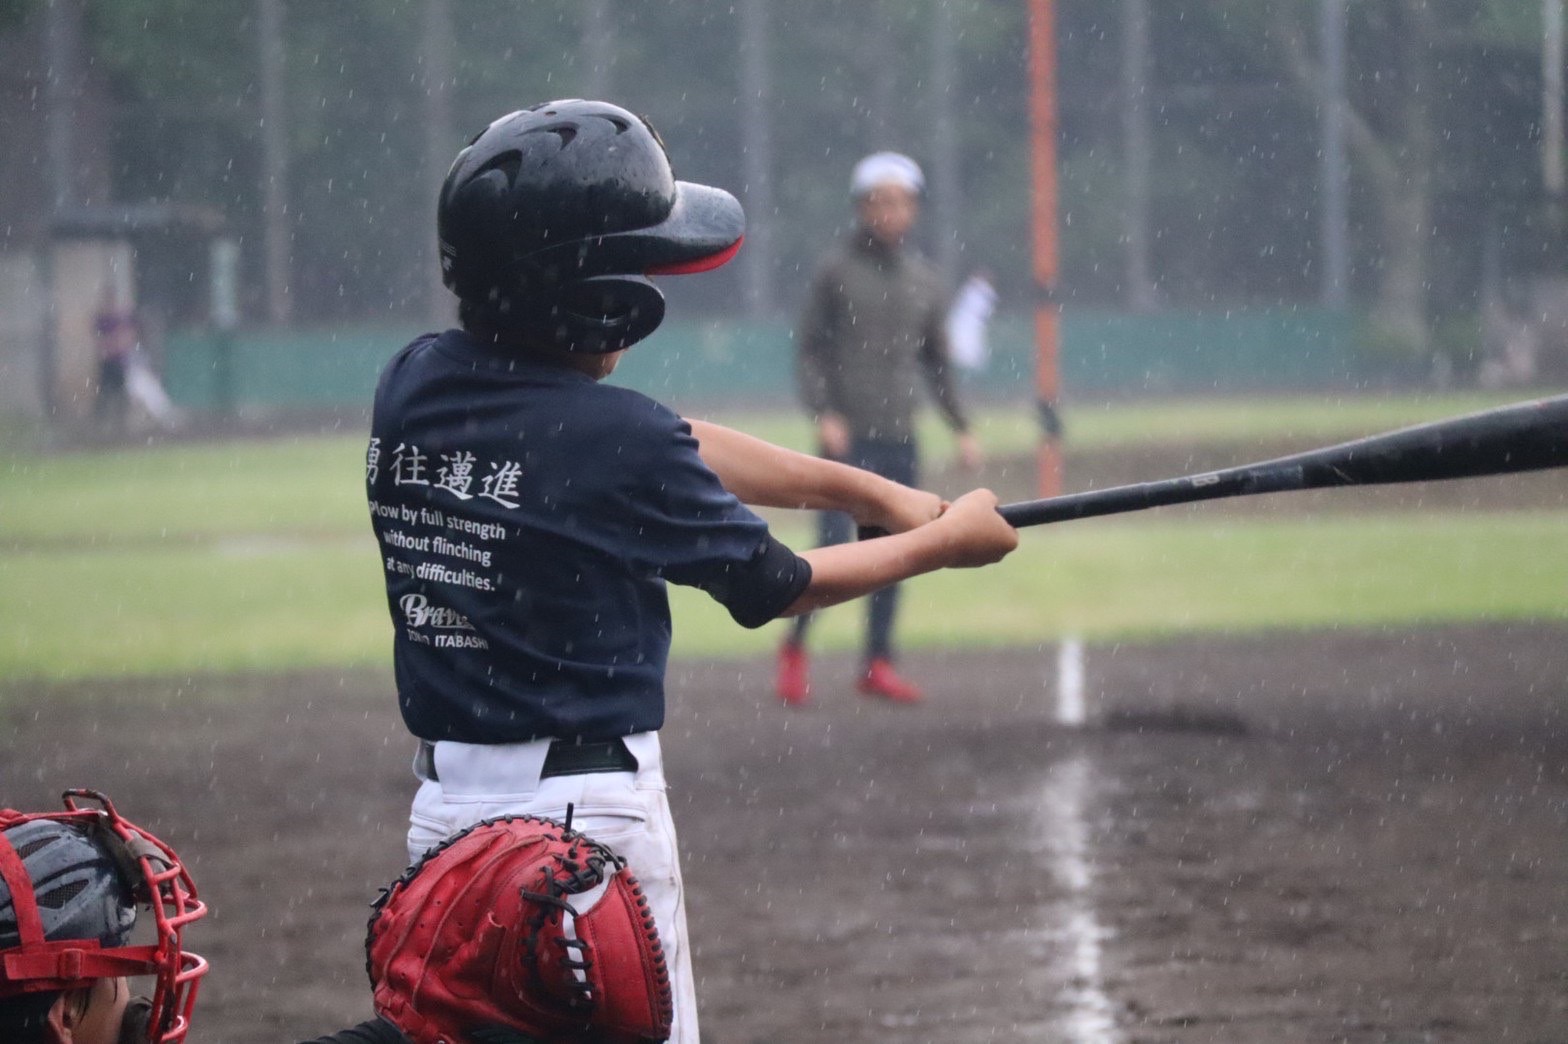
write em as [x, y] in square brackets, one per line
[873, 330]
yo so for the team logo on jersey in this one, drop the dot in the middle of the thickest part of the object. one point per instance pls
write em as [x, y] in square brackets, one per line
[418, 611]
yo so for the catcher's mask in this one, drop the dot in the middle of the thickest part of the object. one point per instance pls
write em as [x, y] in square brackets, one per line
[552, 217]
[519, 930]
[70, 883]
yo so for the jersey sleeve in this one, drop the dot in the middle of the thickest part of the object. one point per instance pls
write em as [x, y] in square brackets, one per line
[680, 523]
[757, 591]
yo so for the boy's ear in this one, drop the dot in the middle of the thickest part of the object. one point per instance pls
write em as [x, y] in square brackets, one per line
[65, 1015]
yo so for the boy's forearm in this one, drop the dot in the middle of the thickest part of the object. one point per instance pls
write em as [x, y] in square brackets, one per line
[842, 572]
[765, 475]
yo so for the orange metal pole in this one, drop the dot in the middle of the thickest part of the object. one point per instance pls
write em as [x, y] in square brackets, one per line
[1047, 312]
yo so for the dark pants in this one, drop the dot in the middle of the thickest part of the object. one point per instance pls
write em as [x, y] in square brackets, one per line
[111, 402]
[900, 462]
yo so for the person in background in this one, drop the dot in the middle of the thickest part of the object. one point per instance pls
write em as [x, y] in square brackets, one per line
[115, 336]
[967, 321]
[143, 385]
[873, 330]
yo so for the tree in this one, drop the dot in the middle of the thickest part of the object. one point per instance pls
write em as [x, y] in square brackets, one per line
[1444, 102]
[1404, 55]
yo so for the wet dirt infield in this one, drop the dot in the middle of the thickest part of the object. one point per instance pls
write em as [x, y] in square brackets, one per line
[1344, 836]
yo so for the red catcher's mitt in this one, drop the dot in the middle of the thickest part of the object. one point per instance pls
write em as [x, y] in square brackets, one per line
[522, 931]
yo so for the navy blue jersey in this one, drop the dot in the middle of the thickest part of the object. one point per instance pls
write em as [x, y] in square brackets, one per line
[528, 518]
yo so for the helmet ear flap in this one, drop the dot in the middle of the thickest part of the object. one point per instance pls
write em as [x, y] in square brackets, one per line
[608, 313]
[590, 316]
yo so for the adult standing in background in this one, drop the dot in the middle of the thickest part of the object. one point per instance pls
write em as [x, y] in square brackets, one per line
[872, 332]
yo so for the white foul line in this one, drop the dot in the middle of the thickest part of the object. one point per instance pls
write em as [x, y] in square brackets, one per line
[1090, 1017]
[1069, 683]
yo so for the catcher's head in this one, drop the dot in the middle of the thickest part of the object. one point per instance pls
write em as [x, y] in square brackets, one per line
[70, 883]
[552, 217]
[521, 931]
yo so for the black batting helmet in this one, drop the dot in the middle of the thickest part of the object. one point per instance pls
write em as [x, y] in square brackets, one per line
[553, 215]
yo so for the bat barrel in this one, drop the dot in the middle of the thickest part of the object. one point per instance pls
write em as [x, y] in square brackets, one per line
[1522, 437]
[1117, 499]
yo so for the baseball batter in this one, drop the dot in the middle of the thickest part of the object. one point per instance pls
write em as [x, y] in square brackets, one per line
[529, 515]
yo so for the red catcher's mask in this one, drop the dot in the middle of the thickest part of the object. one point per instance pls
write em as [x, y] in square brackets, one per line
[156, 879]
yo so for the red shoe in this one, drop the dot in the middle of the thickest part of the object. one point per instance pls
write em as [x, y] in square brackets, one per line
[792, 682]
[881, 680]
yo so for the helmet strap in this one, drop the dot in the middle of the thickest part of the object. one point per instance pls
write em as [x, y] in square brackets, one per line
[29, 926]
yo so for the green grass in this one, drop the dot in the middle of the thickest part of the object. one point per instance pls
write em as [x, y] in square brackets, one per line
[297, 486]
[265, 605]
[257, 556]
[1151, 578]
[229, 606]
[1312, 420]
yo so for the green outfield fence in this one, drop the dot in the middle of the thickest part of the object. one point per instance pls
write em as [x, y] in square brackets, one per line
[736, 361]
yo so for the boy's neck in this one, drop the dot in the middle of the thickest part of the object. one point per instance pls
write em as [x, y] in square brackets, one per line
[596, 365]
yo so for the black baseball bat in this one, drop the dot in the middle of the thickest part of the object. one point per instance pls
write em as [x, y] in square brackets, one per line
[1526, 436]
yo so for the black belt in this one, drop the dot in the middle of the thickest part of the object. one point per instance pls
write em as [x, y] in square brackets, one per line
[564, 758]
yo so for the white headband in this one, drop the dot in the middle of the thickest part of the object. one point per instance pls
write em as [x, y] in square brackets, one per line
[886, 168]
